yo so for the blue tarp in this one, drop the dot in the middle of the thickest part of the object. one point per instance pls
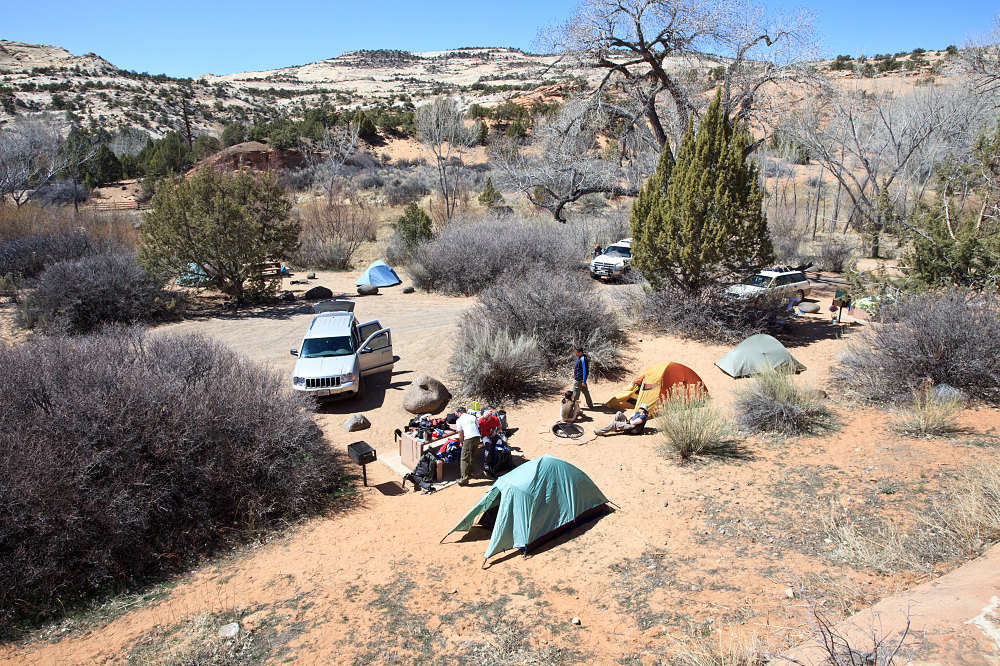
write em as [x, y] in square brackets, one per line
[378, 274]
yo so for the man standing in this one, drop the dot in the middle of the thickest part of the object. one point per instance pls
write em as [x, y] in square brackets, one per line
[580, 373]
[469, 438]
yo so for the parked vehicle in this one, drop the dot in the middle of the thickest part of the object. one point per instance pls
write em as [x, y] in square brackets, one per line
[614, 262]
[337, 353]
[782, 283]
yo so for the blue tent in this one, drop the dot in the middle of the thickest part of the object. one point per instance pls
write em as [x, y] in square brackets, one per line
[378, 274]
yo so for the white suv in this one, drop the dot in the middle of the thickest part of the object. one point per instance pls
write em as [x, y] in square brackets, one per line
[783, 283]
[614, 262]
[337, 352]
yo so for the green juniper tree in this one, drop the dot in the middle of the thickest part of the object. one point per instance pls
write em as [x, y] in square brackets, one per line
[699, 219]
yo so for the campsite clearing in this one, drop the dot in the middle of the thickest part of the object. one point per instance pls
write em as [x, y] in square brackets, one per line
[705, 551]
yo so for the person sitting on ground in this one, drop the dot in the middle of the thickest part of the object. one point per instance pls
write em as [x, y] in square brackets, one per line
[570, 409]
[631, 426]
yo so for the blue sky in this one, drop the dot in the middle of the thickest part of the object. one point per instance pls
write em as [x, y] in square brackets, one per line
[185, 38]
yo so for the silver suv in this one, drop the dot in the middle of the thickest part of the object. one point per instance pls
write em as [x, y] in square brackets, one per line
[786, 284]
[337, 352]
[614, 262]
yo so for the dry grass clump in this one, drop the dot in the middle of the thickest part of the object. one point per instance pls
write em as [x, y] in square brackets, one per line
[931, 414]
[772, 402]
[493, 363]
[123, 455]
[710, 651]
[688, 429]
[951, 338]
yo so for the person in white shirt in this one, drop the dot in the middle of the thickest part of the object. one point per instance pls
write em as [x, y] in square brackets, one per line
[469, 437]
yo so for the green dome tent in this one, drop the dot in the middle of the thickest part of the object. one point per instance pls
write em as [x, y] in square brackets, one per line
[756, 354]
[532, 500]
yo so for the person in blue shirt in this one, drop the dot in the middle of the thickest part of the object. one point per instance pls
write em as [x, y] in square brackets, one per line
[632, 426]
[581, 371]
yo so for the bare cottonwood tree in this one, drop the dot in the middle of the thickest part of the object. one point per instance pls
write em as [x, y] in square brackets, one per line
[648, 46]
[441, 128]
[563, 163]
[882, 148]
[981, 58]
[326, 159]
[29, 157]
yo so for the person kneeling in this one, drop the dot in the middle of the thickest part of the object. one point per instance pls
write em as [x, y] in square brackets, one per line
[569, 410]
[631, 426]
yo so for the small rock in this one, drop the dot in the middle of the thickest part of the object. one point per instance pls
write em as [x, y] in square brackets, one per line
[356, 422]
[454, 591]
[311, 276]
[695, 588]
[229, 630]
[408, 289]
[575, 620]
[789, 593]
[287, 296]
[367, 289]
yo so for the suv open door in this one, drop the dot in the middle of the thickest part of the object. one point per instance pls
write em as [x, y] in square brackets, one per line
[375, 351]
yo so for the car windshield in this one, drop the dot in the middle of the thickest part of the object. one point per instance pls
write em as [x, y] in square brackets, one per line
[319, 347]
[618, 251]
[759, 281]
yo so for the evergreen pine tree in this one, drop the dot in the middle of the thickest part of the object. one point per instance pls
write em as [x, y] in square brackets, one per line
[490, 196]
[708, 221]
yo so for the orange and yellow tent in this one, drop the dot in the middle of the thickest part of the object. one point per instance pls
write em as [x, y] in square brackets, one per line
[659, 382]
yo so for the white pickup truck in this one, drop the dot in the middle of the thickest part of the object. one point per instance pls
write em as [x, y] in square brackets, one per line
[614, 262]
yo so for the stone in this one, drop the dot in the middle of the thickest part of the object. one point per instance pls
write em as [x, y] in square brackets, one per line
[367, 289]
[809, 308]
[356, 422]
[286, 296]
[408, 289]
[789, 593]
[229, 630]
[317, 293]
[575, 620]
[425, 395]
[310, 276]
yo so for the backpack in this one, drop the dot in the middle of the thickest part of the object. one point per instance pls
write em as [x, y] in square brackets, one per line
[498, 459]
[423, 474]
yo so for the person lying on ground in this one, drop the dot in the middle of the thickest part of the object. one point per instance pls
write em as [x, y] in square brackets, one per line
[632, 426]
[569, 411]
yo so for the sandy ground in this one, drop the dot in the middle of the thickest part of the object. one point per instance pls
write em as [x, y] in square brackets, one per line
[710, 549]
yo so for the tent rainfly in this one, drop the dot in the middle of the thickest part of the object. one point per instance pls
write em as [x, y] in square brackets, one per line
[378, 274]
[758, 353]
[532, 500]
[658, 382]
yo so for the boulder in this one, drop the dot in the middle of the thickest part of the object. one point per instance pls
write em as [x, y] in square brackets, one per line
[311, 276]
[229, 630]
[286, 296]
[356, 422]
[317, 293]
[367, 289]
[408, 289]
[809, 307]
[425, 395]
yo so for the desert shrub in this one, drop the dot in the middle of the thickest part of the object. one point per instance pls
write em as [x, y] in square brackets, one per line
[362, 160]
[82, 295]
[405, 192]
[559, 310]
[709, 315]
[412, 228]
[332, 233]
[771, 402]
[835, 254]
[493, 364]
[689, 429]
[470, 255]
[124, 455]
[405, 162]
[931, 414]
[369, 180]
[951, 337]
[787, 235]
[28, 256]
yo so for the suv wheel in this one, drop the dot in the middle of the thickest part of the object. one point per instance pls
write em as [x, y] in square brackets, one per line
[360, 393]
